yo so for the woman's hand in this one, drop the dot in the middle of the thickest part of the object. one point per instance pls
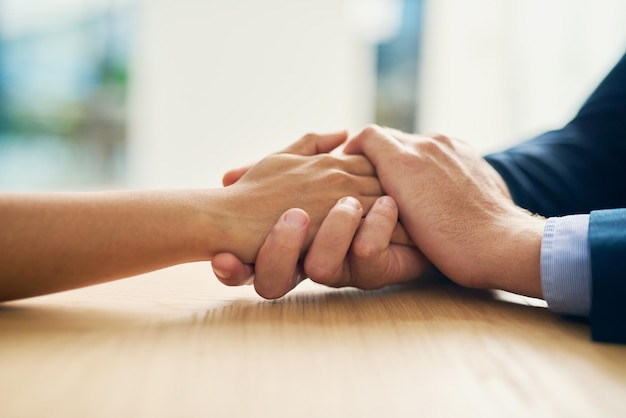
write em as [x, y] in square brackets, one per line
[304, 175]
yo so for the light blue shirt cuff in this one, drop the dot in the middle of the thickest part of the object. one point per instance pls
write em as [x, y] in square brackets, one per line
[566, 265]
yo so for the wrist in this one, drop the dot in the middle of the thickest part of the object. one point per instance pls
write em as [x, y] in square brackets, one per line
[227, 223]
[193, 230]
[211, 225]
[516, 266]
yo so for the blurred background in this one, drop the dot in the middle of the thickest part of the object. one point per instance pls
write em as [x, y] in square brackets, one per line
[100, 94]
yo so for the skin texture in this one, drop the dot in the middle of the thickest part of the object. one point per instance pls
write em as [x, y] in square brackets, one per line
[457, 209]
[304, 175]
[454, 206]
[58, 241]
[339, 255]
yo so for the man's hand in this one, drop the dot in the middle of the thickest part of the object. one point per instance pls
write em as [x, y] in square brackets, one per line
[457, 209]
[346, 251]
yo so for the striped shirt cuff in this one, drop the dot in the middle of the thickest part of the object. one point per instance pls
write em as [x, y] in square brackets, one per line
[566, 265]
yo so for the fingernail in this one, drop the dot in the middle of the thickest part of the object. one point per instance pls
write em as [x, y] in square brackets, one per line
[351, 202]
[386, 201]
[220, 273]
[295, 218]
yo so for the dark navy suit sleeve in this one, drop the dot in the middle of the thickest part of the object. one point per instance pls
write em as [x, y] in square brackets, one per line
[581, 168]
[607, 241]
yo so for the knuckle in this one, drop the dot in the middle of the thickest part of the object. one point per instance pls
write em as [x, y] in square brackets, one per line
[322, 164]
[444, 139]
[320, 273]
[365, 250]
[310, 136]
[338, 182]
[409, 160]
[371, 129]
[338, 177]
[325, 161]
[431, 147]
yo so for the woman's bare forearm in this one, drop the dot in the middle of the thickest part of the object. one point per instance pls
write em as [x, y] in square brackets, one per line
[57, 241]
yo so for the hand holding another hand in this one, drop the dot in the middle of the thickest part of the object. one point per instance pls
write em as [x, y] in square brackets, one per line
[454, 205]
[304, 175]
[457, 209]
[346, 251]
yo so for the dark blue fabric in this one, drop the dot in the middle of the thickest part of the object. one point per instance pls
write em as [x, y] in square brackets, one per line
[578, 169]
[607, 239]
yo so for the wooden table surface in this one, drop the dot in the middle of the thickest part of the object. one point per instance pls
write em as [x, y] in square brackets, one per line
[176, 343]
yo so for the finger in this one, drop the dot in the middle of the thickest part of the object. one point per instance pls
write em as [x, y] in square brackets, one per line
[231, 271]
[370, 186]
[357, 165]
[450, 141]
[444, 139]
[368, 201]
[376, 144]
[401, 135]
[401, 236]
[325, 260]
[233, 176]
[312, 144]
[376, 261]
[277, 270]
[412, 140]
[369, 250]
[405, 264]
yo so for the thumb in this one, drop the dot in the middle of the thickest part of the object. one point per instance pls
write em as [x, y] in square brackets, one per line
[231, 271]
[233, 176]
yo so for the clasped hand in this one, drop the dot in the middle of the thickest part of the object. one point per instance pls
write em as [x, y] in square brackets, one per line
[454, 206]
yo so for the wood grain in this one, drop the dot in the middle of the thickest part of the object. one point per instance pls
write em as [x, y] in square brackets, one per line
[176, 343]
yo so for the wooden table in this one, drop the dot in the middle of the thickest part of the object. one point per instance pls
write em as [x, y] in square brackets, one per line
[176, 343]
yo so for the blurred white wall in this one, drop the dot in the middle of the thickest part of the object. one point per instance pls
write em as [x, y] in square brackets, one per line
[495, 72]
[217, 84]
